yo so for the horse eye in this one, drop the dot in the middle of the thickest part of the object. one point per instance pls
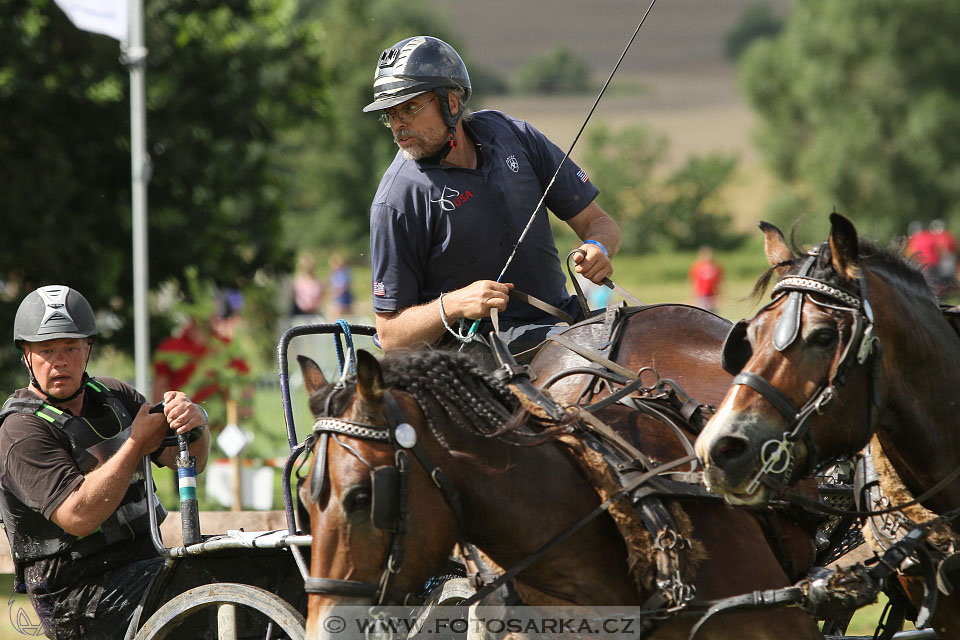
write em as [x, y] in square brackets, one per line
[823, 338]
[357, 499]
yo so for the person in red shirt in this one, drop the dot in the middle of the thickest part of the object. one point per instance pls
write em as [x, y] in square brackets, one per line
[922, 247]
[946, 247]
[705, 277]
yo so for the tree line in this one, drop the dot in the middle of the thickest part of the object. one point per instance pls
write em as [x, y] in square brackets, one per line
[258, 146]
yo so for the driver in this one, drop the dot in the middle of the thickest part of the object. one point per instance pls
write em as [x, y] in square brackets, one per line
[72, 493]
[452, 207]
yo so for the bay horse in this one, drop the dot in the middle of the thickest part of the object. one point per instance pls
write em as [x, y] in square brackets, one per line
[854, 344]
[475, 476]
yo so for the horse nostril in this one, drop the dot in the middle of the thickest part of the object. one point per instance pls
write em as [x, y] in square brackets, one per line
[728, 450]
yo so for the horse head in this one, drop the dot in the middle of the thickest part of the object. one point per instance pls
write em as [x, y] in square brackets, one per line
[363, 486]
[809, 369]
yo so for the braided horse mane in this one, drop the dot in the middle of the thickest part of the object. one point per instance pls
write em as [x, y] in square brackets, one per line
[452, 388]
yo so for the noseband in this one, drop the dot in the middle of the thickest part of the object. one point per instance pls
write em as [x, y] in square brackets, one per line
[390, 489]
[776, 456]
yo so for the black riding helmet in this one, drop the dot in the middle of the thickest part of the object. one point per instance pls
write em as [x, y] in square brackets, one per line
[414, 66]
[52, 312]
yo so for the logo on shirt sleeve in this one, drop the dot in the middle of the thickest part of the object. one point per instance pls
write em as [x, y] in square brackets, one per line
[583, 175]
[379, 289]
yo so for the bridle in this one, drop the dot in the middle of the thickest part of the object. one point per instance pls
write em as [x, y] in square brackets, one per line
[863, 347]
[390, 487]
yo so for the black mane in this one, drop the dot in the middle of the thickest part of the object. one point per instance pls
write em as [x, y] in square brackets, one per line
[448, 387]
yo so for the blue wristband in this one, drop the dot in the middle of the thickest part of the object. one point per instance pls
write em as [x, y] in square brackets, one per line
[602, 248]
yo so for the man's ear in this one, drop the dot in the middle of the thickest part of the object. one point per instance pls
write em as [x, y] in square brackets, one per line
[453, 101]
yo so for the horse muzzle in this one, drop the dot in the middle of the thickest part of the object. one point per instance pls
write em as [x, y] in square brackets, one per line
[731, 448]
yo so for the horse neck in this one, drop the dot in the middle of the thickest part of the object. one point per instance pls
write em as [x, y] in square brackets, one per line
[921, 375]
[517, 498]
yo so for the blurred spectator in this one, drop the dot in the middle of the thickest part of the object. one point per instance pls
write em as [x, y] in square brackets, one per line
[935, 251]
[705, 276]
[341, 298]
[922, 246]
[229, 305]
[177, 358]
[946, 246]
[307, 288]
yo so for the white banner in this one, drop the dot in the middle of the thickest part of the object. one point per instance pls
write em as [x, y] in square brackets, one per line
[108, 17]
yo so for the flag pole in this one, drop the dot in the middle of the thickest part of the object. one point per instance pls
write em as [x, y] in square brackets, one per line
[123, 20]
[136, 56]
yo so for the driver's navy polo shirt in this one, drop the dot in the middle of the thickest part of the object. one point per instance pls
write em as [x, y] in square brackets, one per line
[435, 228]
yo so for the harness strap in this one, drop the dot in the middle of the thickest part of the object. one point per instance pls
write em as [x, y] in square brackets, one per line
[592, 355]
[754, 600]
[442, 480]
[354, 589]
[777, 398]
[536, 555]
[600, 428]
[584, 306]
[621, 393]
[543, 306]
[394, 417]
[944, 568]
[798, 498]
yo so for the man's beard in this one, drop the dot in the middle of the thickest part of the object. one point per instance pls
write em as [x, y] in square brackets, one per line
[423, 146]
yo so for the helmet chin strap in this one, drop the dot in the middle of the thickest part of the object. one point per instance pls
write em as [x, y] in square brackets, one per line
[451, 120]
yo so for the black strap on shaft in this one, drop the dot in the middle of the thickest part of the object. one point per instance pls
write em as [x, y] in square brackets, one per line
[753, 600]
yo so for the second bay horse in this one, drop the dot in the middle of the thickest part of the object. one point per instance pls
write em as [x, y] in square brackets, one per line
[853, 344]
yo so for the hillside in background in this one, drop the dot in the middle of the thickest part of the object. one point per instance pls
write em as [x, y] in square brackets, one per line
[682, 37]
[675, 77]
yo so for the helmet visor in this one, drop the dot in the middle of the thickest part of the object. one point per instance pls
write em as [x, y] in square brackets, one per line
[386, 100]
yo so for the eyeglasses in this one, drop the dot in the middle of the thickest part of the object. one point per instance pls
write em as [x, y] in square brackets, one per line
[405, 114]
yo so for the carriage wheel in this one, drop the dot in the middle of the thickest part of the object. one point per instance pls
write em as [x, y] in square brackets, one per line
[226, 596]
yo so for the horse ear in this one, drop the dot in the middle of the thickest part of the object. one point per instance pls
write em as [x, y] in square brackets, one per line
[312, 375]
[774, 245]
[369, 377]
[844, 246]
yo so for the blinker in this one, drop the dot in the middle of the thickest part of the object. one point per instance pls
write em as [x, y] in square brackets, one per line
[385, 483]
[736, 350]
[318, 475]
[788, 326]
